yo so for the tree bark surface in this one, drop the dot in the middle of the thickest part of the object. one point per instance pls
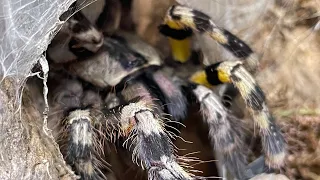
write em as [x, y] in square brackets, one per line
[27, 150]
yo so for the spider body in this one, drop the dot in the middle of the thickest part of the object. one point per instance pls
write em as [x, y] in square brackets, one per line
[140, 93]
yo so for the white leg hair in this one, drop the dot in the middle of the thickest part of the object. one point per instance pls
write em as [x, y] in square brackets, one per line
[141, 122]
[225, 137]
[81, 146]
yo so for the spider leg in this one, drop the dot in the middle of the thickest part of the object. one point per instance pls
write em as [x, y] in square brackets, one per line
[85, 145]
[80, 147]
[77, 136]
[141, 122]
[179, 24]
[234, 72]
[170, 94]
[225, 130]
[181, 21]
[180, 17]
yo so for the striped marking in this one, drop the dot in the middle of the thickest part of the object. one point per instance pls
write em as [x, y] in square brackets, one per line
[152, 147]
[253, 96]
[181, 18]
[80, 148]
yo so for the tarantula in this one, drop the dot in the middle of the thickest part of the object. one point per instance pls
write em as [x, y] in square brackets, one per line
[119, 90]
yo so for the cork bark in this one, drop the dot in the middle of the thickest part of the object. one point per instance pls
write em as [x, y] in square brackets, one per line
[27, 150]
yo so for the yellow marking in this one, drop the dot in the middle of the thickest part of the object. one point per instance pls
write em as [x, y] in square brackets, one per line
[243, 88]
[200, 77]
[219, 37]
[185, 21]
[188, 21]
[262, 120]
[181, 49]
[276, 161]
[174, 25]
[223, 76]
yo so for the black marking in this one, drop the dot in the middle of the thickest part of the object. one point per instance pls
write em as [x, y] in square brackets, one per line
[236, 46]
[202, 21]
[82, 25]
[161, 99]
[78, 151]
[236, 67]
[121, 52]
[107, 20]
[133, 77]
[230, 93]
[147, 80]
[81, 52]
[176, 104]
[119, 38]
[153, 147]
[141, 111]
[103, 17]
[212, 74]
[69, 12]
[256, 99]
[192, 86]
[178, 34]
[274, 142]
[205, 97]
[172, 15]
[187, 90]
[235, 78]
[171, 62]
[196, 57]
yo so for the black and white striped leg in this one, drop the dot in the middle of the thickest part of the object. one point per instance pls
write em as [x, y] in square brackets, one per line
[142, 124]
[182, 19]
[274, 145]
[225, 130]
[80, 150]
